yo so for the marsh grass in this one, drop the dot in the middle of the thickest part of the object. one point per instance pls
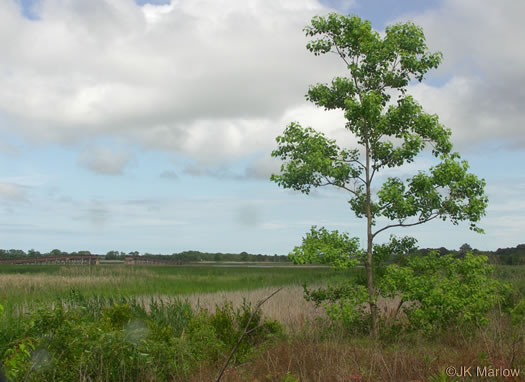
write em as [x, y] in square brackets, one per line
[288, 306]
[309, 353]
[319, 356]
[22, 287]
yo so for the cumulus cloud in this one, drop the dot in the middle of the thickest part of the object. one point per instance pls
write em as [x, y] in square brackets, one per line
[197, 77]
[217, 81]
[483, 98]
[105, 161]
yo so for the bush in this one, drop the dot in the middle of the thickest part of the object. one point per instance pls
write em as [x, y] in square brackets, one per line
[345, 304]
[438, 292]
[230, 324]
[99, 340]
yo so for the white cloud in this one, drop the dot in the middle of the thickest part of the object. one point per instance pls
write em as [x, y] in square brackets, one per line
[154, 13]
[102, 160]
[216, 79]
[483, 100]
[205, 78]
[12, 192]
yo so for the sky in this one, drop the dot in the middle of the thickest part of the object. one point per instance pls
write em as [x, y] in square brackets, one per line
[149, 125]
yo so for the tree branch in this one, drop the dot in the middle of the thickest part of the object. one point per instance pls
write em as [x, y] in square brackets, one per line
[246, 331]
[374, 168]
[329, 183]
[405, 225]
[340, 54]
[354, 161]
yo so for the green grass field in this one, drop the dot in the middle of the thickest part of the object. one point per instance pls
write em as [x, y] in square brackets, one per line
[29, 284]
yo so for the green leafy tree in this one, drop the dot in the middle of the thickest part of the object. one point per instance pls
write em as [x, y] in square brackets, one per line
[112, 255]
[244, 256]
[57, 252]
[33, 253]
[464, 249]
[391, 129]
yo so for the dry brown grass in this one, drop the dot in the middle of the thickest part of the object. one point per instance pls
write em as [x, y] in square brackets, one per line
[29, 283]
[101, 271]
[311, 357]
[69, 277]
[288, 306]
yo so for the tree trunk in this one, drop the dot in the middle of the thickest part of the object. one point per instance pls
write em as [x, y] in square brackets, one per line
[370, 285]
[369, 255]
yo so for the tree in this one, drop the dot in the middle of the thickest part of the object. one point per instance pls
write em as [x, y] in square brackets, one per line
[112, 255]
[57, 252]
[33, 253]
[464, 249]
[390, 132]
[244, 256]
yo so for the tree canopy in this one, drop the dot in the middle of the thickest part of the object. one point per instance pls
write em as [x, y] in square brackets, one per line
[391, 133]
[391, 128]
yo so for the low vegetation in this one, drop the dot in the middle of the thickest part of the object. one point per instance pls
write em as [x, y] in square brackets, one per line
[80, 338]
[22, 286]
[77, 334]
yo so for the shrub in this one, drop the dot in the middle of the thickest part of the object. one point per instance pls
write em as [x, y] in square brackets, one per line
[438, 292]
[117, 316]
[345, 304]
[81, 338]
[230, 324]
[18, 357]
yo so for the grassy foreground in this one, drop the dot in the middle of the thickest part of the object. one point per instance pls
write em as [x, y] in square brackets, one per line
[116, 323]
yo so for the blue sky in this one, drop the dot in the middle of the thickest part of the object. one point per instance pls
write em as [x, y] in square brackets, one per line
[148, 126]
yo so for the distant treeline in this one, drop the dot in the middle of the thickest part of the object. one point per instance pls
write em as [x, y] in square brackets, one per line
[185, 256]
[193, 256]
[504, 256]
